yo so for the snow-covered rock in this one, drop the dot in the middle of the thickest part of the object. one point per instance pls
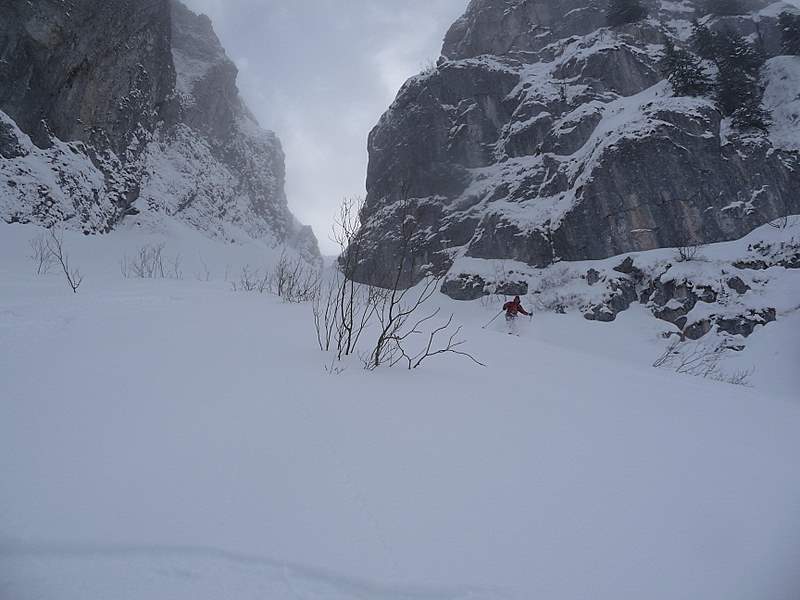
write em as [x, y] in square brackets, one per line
[542, 135]
[112, 109]
[729, 288]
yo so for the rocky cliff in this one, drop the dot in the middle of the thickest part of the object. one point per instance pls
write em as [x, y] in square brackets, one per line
[114, 110]
[543, 135]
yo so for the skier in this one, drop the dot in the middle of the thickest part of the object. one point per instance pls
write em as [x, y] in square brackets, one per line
[513, 309]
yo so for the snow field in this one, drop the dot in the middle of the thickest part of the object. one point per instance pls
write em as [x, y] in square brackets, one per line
[173, 439]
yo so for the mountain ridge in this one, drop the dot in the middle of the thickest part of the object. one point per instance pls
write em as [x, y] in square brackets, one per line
[116, 112]
[544, 135]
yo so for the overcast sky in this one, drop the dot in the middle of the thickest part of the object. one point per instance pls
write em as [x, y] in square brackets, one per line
[320, 73]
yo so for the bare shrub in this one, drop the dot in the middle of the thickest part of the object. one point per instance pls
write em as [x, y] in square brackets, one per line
[401, 311]
[739, 377]
[402, 317]
[248, 281]
[148, 263]
[325, 310]
[40, 254]
[341, 313]
[55, 247]
[786, 219]
[397, 311]
[294, 280]
[701, 360]
[688, 247]
[342, 307]
[175, 268]
[451, 346]
[334, 368]
[204, 273]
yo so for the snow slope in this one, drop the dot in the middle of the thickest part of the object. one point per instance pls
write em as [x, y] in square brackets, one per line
[174, 439]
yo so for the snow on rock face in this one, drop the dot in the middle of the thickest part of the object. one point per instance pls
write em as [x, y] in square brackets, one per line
[155, 125]
[727, 289]
[782, 98]
[543, 135]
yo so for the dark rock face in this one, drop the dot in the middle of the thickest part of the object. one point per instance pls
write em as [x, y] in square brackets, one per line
[465, 287]
[593, 276]
[472, 286]
[10, 146]
[744, 325]
[131, 109]
[621, 294]
[518, 28]
[82, 70]
[543, 136]
[737, 285]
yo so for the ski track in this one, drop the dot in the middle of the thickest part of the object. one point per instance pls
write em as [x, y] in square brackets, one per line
[190, 572]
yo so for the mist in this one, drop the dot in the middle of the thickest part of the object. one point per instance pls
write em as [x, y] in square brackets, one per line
[320, 73]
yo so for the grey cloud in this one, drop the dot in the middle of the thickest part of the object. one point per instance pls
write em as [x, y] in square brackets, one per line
[320, 73]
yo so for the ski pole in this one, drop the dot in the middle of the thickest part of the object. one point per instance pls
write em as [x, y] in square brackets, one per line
[493, 320]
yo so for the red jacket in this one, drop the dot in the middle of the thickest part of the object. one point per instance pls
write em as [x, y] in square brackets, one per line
[515, 307]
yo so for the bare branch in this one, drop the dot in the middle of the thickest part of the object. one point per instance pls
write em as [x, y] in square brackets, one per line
[55, 246]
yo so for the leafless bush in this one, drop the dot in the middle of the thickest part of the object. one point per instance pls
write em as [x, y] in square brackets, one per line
[401, 311]
[248, 281]
[402, 317]
[701, 360]
[451, 346]
[334, 368]
[324, 309]
[786, 219]
[341, 313]
[397, 313]
[175, 268]
[342, 307]
[40, 254]
[739, 377]
[294, 280]
[785, 222]
[688, 247]
[55, 247]
[204, 273]
[150, 262]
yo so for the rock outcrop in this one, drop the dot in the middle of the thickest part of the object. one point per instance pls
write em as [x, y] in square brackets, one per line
[542, 136]
[114, 110]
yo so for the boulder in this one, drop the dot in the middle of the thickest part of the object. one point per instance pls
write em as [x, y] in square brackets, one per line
[738, 285]
[592, 276]
[745, 324]
[464, 287]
